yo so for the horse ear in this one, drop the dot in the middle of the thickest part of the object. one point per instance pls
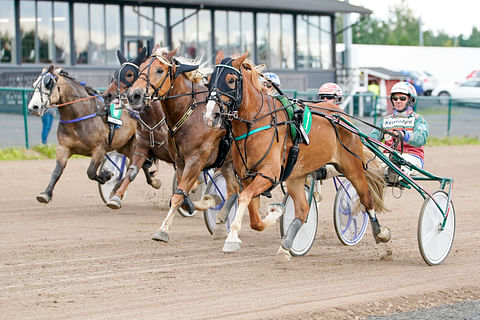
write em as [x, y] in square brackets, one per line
[51, 68]
[220, 57]
[157, 46]
[139, 59]
[238, 62]
[120, 57]
[171, 54]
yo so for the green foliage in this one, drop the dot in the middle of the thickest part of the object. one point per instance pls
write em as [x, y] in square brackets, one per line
[402, 27]
[452, 141]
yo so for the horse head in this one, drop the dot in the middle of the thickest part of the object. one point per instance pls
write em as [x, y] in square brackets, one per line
[155, 79]
[43, 90]
[124, 77]
[225, 89]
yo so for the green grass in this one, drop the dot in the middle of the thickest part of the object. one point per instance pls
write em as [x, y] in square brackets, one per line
[48, 151]
[35, 153]
[452, 141]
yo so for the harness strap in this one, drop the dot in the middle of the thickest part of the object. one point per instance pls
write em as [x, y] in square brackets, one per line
[243, 136]
[79, 119]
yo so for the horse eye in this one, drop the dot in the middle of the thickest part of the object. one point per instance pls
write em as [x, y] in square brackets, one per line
[231, 80]
[48, 82]
[160, 71]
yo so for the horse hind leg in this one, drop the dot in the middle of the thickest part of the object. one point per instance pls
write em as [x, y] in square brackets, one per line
[359, 181]
[296, 191]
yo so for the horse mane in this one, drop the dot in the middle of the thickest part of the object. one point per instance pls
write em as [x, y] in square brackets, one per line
[253, 73]
[198, 74]
[90, 91]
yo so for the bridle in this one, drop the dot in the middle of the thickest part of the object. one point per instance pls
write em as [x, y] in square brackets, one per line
[146, 77]
[49, 81]
[217, 90]
[122, 83]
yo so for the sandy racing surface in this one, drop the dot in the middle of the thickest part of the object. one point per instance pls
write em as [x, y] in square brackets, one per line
[76, 259]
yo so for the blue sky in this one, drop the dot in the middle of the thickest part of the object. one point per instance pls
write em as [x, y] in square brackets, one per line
[452, 17]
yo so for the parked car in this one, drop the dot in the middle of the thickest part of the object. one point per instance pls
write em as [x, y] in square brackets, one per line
[466, 92]
[414, 80]
[428, 81]
[475, 74]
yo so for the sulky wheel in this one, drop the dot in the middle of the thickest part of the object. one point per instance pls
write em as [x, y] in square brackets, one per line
[433, 242]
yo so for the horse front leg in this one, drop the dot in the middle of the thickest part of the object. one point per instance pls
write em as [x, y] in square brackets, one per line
[97, 156]
[258, 186]
[186, 178]
[115, 202]
[63, 154]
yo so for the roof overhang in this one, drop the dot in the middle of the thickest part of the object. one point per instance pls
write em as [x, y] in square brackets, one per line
[329, 7]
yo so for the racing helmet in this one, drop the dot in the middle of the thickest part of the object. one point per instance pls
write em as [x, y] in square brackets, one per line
[331, 89]
[272, 77]
[407, 89]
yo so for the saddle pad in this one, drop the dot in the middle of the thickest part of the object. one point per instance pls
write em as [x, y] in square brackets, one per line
[115, 115]
[291, 109]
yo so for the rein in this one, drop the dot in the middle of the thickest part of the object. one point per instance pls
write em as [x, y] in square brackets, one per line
[74, 101]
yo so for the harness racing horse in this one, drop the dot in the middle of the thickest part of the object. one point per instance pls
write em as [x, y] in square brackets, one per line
[260, 128]
[192, 144]
[82, 128]
[151, 134]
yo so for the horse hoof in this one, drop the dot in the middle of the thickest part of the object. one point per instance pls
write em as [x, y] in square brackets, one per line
[156, 183]
[219, 232]
[43, 198]
[230, 247]
[160, 235]
[114, 203]
[384, 236]
[283, 255]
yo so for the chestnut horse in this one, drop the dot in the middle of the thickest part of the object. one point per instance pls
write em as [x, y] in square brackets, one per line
[260, 126]
[151, 133]
[192, 144]
[83, 128]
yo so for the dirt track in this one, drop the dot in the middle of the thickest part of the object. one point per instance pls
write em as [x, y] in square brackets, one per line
[74, 258]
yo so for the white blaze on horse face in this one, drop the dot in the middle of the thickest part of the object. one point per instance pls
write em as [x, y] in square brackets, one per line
[35, 105]
[208, 116]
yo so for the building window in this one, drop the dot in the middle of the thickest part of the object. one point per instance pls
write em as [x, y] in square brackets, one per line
[139, 29]
[45, 31]
[275, 40]
[314, 42]
[27, 30]
[234, 32]
[7, 32]
[81, 31]
[160, 27]
[112, 31]
[97, 33]
[61, 23]
[191, 32]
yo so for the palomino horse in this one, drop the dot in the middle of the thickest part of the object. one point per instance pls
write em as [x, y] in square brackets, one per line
[260, 127]
[151, 134]
[193, 145]
[83, 128]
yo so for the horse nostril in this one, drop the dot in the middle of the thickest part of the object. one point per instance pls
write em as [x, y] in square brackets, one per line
[35, 107]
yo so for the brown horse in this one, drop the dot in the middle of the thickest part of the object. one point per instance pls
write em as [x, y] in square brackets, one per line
[192, 144]
[151, 133]
[83, 128]
[260, 126]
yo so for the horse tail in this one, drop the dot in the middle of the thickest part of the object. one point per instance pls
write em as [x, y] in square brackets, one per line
[375, 180]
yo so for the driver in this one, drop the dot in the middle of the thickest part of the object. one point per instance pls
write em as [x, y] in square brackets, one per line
[268, 86]
[404, 121]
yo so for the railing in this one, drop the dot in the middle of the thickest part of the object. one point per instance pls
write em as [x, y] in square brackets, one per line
[446, 117]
